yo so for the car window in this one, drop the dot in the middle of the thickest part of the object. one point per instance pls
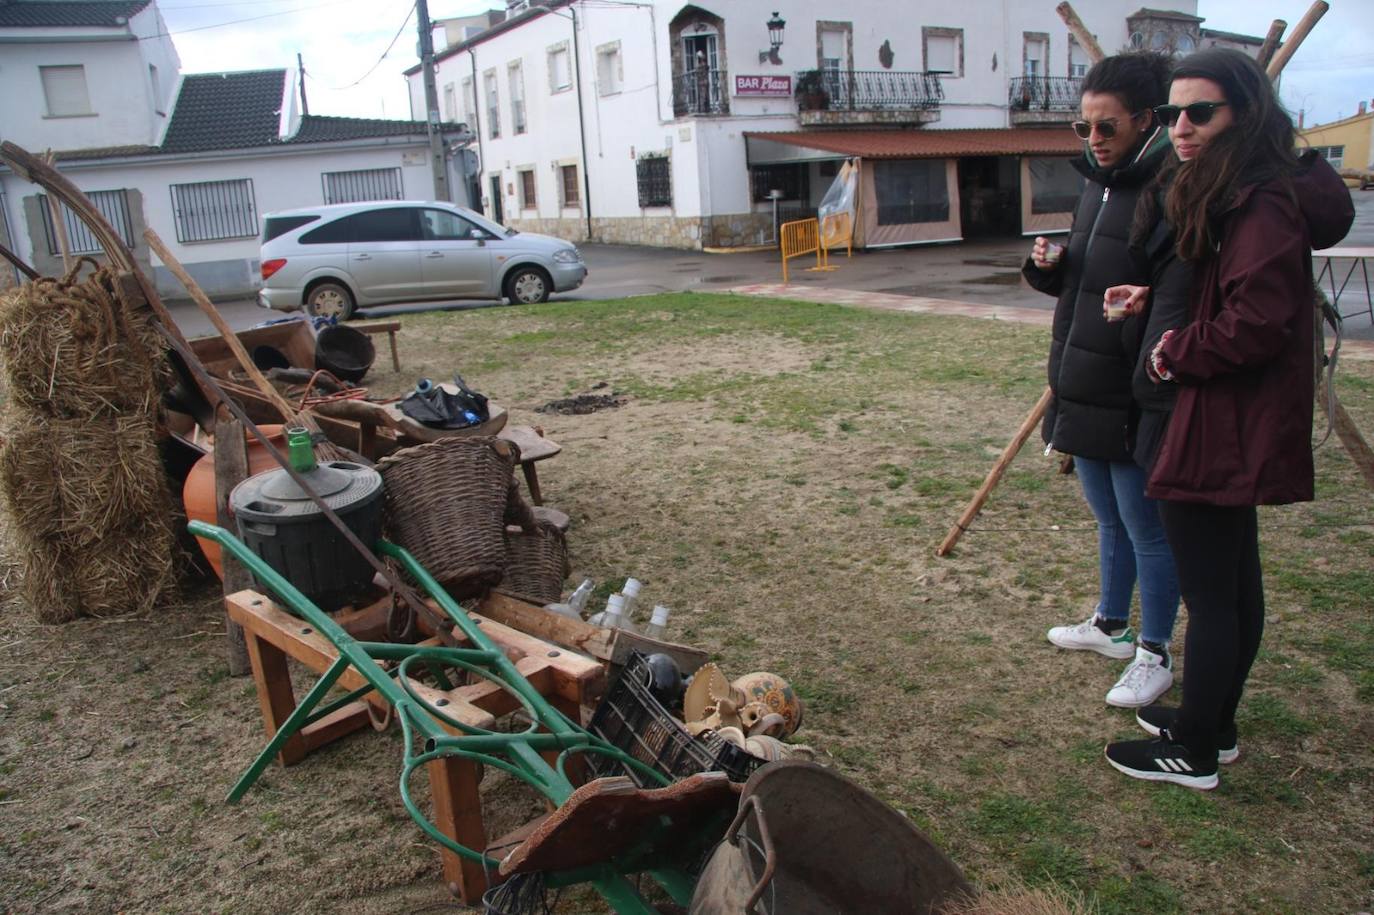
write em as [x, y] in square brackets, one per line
[391, 224]
[441, 225]
[273, 226]
[340, 231]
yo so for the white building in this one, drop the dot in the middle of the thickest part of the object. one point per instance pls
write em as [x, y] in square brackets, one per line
[669, 123]
[198, 157]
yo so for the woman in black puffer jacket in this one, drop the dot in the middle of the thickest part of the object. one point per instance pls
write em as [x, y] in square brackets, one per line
[1093, 414]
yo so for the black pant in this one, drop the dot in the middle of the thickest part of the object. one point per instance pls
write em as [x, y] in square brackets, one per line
[1216, 549]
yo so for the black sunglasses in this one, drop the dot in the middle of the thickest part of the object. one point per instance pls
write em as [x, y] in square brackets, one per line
[1105, 129]
[1199, 113]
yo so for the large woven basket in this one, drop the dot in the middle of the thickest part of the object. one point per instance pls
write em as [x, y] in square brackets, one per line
[446, 504]
[536, 563]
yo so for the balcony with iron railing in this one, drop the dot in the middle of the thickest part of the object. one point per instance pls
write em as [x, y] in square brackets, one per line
[1043, 99]
[700, 92]
[879, 97]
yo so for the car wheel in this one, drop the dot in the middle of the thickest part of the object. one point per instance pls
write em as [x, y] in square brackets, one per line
[528, 286]
[329, 300]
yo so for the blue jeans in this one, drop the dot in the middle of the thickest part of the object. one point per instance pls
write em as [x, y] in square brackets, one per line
[1130, 545]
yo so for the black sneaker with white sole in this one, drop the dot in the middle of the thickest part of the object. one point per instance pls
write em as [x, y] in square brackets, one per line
[1154, 718]
[1163, 760]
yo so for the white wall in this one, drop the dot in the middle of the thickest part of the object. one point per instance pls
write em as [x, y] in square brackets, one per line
[710, 176]
[117, 81]
[282, 180]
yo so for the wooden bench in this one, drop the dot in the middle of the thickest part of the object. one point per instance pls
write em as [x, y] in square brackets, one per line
[568, 680]
[533, 448]
[382, 327]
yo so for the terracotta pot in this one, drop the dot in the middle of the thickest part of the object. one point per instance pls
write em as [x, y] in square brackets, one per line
[198, 495]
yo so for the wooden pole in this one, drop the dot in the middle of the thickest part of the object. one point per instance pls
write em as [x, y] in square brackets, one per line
[1290, 47]
[230, 338]
[59, 225]
[231, 468]
[19, 263]
[1350, 437]
[1271, 42]
[1085, 39]
[976, 504]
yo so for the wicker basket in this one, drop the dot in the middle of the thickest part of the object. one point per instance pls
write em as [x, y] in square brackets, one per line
[446, 502]
[536, 563]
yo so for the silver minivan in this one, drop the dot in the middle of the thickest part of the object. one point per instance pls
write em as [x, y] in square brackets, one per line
[333, 259]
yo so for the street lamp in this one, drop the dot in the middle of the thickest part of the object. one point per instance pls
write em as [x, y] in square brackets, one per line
[775, 27]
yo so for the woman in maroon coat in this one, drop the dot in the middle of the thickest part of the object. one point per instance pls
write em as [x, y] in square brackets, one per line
[1246, 213]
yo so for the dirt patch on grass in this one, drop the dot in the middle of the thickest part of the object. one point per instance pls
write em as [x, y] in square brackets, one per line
[780, 477]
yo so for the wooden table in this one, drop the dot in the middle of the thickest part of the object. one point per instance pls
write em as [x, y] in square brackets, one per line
[533, 448]
[382, 327]
[568, 680]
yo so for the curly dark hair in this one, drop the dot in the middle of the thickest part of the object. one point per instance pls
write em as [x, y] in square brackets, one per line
[1256, 148]
[1139, 79]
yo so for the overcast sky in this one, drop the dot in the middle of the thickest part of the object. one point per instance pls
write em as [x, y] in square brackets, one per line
[343, 41]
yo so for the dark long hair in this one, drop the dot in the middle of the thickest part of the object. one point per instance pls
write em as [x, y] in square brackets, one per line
[1256, 148]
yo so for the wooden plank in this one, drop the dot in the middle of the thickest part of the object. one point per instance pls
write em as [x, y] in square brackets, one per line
[574, 676]
[367, 624]
[552, 627]
[231, 468]
[458, 815]
[275, 695]
[264, 619]
[338, 723]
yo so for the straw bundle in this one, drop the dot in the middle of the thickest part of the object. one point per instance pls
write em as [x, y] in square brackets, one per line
[80, 471]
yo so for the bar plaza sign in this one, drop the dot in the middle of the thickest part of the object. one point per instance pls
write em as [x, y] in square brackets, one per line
[764, 86]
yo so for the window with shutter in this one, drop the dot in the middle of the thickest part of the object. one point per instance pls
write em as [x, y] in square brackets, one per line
[64, 89]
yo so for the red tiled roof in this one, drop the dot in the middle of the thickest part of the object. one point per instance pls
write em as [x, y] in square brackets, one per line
[932, 144]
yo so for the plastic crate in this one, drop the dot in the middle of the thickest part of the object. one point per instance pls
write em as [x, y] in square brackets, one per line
[631, 719]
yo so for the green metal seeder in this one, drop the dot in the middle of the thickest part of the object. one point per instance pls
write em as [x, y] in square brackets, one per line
[423, 724]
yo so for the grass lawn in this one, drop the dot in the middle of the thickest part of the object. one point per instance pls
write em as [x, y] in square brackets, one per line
[780, 476]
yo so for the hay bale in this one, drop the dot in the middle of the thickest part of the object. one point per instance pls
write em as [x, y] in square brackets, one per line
[90, 512]
[79, 481]
[72, 349]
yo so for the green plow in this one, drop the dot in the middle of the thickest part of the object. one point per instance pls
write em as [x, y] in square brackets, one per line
[428, 731]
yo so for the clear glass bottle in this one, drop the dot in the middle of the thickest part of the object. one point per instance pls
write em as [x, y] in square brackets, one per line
[614, 617]
[631, 592]
[657, 622]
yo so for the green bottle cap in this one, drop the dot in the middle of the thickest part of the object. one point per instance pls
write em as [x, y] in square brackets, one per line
[299, 449]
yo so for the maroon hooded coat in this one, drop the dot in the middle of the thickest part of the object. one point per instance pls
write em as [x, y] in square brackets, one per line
[1241, 431]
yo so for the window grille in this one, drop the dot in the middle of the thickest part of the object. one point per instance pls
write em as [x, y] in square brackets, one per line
[113, 205]
[364, 184]
[493, 107]
[792, 180]
[212, 210]
[572, 191]
[655, 182]
[1335, 155]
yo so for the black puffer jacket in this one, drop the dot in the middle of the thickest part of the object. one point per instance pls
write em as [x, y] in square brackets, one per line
[1091, 360]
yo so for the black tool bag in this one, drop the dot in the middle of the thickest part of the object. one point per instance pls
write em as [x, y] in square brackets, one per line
[433, 405]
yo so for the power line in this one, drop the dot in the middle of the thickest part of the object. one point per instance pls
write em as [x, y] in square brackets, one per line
[395, 38]
[218, 25]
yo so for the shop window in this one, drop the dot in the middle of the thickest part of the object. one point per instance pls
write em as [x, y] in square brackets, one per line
[1055, 186]
[911, 191]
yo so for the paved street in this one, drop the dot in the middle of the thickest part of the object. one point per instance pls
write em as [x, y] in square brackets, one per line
[978, 272]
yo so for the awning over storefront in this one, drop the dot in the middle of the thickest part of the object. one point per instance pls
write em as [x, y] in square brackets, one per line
[905, 198]
[771, 148]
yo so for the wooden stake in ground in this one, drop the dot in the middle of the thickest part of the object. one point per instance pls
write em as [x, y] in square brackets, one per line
[1271, 42]
[994, 475]
[1295, 40]
[231, 468]
[1086, 40]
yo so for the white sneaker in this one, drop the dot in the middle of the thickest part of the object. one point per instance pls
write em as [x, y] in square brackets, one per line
[1145, 680]
[1086, 636]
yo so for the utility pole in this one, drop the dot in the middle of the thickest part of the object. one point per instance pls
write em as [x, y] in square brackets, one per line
[437, 159]
[300, 67]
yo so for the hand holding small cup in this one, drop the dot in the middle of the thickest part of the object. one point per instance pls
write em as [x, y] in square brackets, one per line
[1120, 302]
[1045, 254]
